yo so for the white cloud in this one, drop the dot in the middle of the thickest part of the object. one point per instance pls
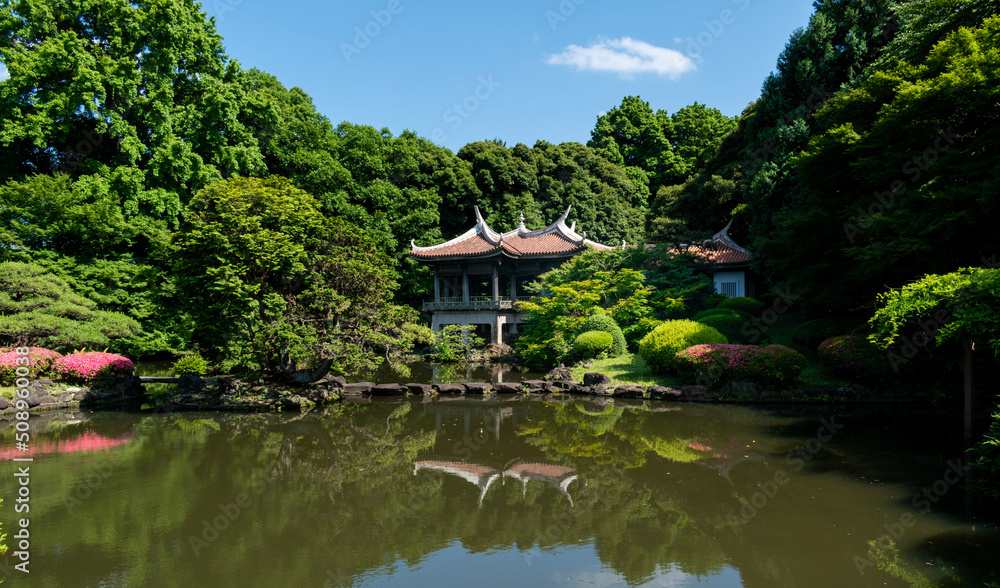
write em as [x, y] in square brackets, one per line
[625, 56]
[4, 74]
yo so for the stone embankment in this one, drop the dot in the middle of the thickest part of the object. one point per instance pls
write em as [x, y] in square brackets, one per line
[44, 394]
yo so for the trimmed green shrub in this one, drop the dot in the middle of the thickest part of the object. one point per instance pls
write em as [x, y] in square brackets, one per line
[728, 325]
[635, 333]
[592, 344]
[191, 365]
[856, 357]
[721, 312]
[603, 322]
[660, 346]
[812, 333]
[764, 365]
[751, 306]
[40, 366]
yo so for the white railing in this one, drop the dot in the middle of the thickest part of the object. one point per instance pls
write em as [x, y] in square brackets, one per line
[474, 303]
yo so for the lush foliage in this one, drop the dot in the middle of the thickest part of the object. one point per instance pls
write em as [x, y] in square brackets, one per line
[191, 365]
[456, 343]
[276, 286]
[40, 363]
[660, 346]
[765, 365]
[603, 322]
[750, 306]
[592, 344]
[38, 307]
[960, 306]
[903, 163]
[94, 368]
[855, 356]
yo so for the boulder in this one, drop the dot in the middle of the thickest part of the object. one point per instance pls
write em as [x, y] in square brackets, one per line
[534, 384]
[451, 388]
[603, 390]
[78, 394]
[508, 387]
[47, 399]
[595, 378]
[358, 388]
[558, 374]
[420, 389]
[338, 381]
[388, 390]
[33, 400]
[578, 388]
[3, 403]
[477, 387]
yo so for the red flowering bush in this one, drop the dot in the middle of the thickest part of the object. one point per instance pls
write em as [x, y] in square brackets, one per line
[764, 365]
[94, 368]
[41, 361]
[855, 356]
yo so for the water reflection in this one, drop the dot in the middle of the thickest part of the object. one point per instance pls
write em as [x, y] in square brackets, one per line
[452, 492]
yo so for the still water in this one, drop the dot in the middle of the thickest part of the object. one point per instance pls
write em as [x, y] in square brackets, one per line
[499, 492]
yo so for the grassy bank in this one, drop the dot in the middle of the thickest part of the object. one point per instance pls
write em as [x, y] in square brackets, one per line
[627, 369]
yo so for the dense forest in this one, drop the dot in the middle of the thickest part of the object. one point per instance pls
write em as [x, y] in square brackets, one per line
[868, 161]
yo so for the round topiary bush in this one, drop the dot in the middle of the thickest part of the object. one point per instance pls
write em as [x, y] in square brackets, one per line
[856, 357]
[721, 312]
[764, 365]
[812, 333]
[191, 365]
[750, 306]
[660, 346]
[729, 325]
[94, 368]
[635, 333]
[40, 363]
[603, 322]
[592, 344]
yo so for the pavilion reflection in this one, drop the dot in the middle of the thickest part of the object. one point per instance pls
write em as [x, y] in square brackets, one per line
[483, 475]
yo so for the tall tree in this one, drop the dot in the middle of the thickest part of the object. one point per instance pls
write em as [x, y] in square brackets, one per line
[276, 286]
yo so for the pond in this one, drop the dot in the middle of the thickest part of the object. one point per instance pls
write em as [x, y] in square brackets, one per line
[451, 491]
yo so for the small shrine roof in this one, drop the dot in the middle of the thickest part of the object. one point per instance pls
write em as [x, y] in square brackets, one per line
[555, 240]
[720, 250]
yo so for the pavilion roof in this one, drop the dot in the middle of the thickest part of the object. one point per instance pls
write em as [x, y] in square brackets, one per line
[720, 250]
[555, 240]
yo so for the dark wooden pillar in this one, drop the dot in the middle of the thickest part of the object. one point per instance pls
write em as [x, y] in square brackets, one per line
[465, 283]
[437, 285]
[496, 283]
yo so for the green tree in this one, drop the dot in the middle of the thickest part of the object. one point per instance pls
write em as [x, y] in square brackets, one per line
[38, 308]
[905, 162]
[275, 286]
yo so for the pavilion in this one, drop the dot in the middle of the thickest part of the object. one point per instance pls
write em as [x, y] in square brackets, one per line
[477, 274]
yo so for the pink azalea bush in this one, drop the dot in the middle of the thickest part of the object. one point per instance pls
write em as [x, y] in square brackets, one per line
[94, 368]
[41, 363]
[854, 356]
[764, 365]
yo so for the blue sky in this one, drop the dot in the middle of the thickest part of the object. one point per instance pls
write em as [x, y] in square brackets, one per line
[518, 70]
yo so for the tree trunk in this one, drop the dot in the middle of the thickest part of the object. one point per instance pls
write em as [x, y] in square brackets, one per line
[310, 375]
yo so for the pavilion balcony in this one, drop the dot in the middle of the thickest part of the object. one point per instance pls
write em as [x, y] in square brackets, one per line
[473, 303]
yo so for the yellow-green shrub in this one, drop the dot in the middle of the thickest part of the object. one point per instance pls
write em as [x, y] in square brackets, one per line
[661, 345]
